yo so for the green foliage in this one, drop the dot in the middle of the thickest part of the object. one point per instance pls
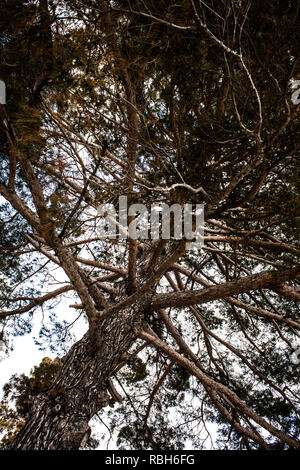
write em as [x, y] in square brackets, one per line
[19, 391]
[10, 425]
[71, 69]
[21, 388]
[178, 379]
[138, 370]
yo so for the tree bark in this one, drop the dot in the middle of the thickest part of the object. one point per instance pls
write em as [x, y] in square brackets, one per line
[59, 418]
[266, 279]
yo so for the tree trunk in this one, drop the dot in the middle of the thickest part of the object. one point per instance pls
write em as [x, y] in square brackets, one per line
[59, 418]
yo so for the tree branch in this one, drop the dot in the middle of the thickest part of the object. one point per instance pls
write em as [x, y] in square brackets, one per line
[267, 279]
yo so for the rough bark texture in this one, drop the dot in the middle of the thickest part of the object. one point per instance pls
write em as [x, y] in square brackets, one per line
[59, 419]
[252, 282]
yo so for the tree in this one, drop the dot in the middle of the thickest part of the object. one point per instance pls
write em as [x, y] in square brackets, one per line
[180, 102]
[20, 390]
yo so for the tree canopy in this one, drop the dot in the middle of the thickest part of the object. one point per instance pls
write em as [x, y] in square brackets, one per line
[185, 102]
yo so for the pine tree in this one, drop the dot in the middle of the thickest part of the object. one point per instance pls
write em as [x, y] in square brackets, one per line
[162, 102]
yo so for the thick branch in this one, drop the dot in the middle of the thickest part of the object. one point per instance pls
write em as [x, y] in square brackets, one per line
[267, 279]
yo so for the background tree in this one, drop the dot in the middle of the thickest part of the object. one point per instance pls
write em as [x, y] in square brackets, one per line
[184, 102]
[19, 391]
